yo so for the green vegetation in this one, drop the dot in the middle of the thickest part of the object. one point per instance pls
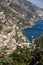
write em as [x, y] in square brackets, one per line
[3, 50]
[19, 57]
[22, 23]
[23, 56]
[39, 42]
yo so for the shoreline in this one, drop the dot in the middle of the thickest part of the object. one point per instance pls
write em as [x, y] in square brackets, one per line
[32, 23]
[28, 27]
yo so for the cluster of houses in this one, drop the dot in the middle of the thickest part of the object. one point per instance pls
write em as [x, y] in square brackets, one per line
[40, 13]
[14, 38]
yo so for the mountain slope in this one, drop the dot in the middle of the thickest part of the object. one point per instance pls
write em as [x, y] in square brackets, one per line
[27, 9]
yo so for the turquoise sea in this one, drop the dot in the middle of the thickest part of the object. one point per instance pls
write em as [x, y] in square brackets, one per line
[35, 31]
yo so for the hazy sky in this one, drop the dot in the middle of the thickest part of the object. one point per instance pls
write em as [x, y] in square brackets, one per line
[39, 3]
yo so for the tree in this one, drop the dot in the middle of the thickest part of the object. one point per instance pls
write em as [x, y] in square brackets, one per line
[38, 52]
[39, 42]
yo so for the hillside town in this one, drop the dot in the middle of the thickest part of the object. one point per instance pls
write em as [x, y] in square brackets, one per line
[11, 35]
[11, 29]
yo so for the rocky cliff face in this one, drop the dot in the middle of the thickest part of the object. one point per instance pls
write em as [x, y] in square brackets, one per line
[25, 8]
